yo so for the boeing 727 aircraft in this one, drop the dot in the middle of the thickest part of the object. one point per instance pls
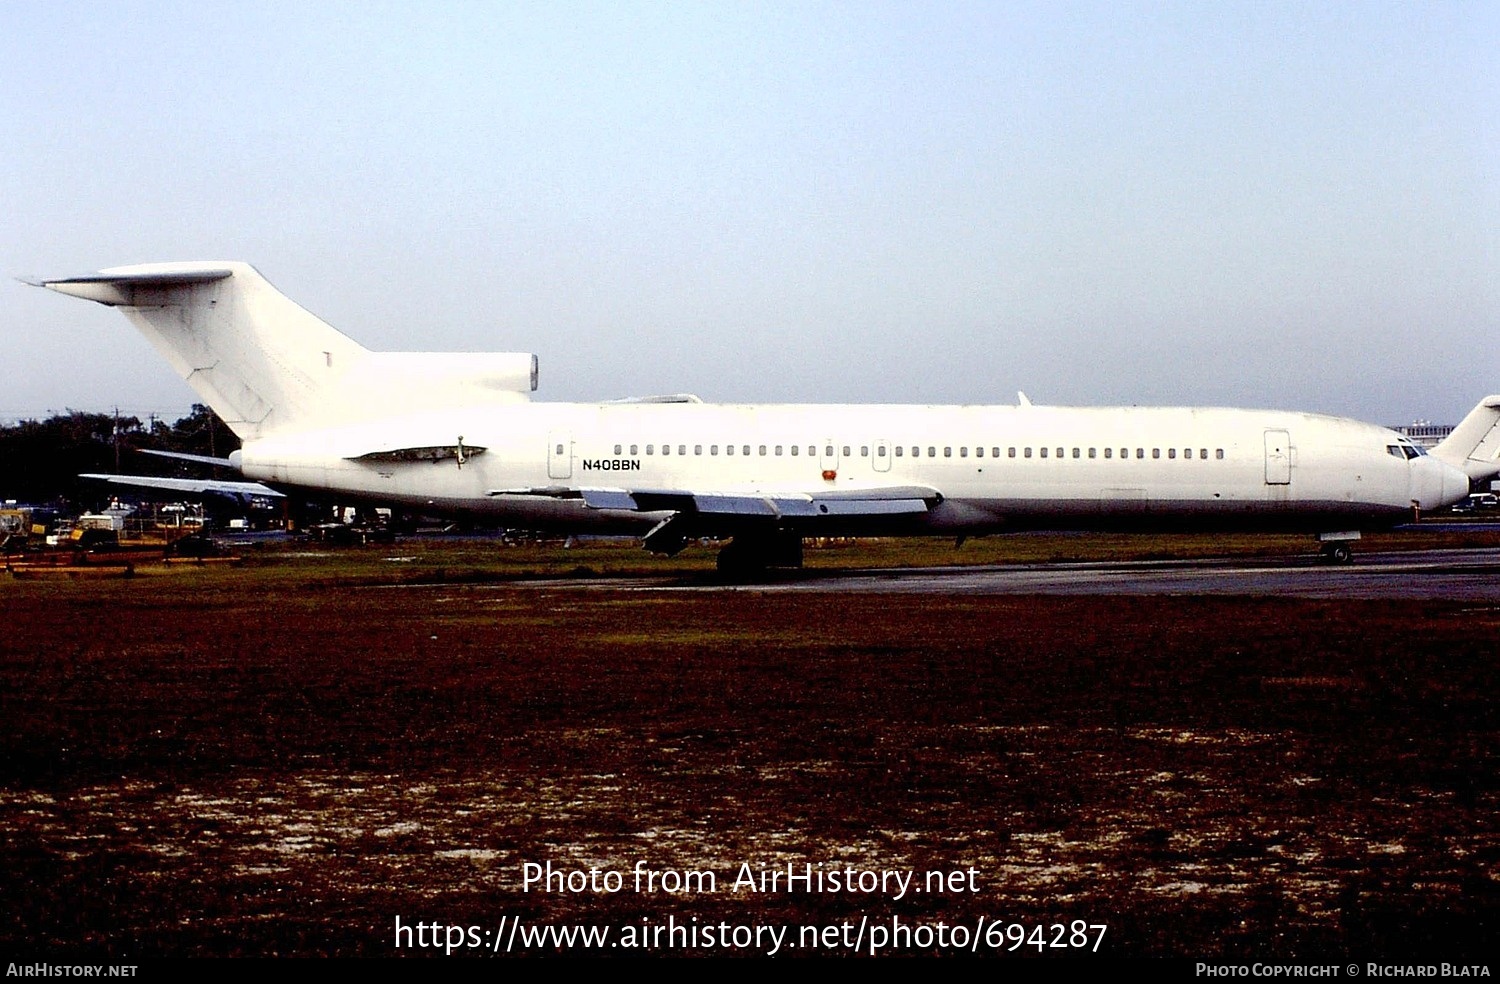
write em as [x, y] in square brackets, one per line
[457, 434]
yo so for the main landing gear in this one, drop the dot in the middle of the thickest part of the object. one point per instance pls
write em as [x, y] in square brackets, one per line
[745, 558]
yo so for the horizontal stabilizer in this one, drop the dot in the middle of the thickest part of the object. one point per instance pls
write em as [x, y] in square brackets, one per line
[124, 289]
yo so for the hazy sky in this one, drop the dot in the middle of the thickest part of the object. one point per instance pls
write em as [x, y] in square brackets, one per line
[1258, 204]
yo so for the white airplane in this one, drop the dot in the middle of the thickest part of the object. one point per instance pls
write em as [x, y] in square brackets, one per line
[456, 434]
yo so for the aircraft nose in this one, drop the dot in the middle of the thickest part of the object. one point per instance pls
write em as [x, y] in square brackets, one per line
[1455, 484]
[1436, 483]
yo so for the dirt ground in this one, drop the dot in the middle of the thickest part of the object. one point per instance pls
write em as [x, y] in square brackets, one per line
[287, 758]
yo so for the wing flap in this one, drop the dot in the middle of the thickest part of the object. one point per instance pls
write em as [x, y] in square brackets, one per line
[892, 501]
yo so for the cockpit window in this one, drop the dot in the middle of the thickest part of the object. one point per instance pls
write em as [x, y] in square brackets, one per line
[1405, 451]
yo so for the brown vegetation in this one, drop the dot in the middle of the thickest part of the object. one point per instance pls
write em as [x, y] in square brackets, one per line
[283, 757]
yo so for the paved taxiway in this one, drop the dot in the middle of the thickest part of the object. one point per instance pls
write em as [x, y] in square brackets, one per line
[1460, 575]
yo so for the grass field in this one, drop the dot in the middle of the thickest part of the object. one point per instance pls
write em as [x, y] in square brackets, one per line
[283, 757]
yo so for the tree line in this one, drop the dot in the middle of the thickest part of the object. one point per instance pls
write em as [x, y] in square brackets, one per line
[40, 460]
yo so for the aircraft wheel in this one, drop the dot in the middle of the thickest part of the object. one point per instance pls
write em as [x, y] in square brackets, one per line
[1338, 552]
[785, 551]
[737, 560]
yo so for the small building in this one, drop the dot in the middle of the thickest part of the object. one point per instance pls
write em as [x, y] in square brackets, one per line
[1424, 434]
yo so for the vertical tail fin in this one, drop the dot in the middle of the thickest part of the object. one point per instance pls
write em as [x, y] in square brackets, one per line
[1474, 445]
[262, 362]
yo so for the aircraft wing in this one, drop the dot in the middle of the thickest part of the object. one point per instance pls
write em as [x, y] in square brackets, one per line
[190, 486]
[199, 459]
[883, 501]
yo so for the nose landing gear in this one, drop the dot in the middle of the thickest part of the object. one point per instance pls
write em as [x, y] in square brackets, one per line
[1337, 548]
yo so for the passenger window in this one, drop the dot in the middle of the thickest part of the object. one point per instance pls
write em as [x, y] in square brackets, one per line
[713, 449]
[947, 452]
[1012, 453]
[1171, 452]
[746, 450]
[666, 449]
[1060, 452]
[812, 451]
[697, 449]
[633, 449]
[1219, 454]
[1156, 452]
[1044, 452]
[1109, 452]
[899, 449]
[1075, 452]
[932, 452]
[1187, 452]
[1140, 452]
[995, 452]
[796, 449]
[1026, 453]
[778, 450]
[963, 452]
[729, 449]
[617, 448]
[1203, 453]
[762, 450]
[649, 448]
[864, 451]
[979, 452]
[1093, 452]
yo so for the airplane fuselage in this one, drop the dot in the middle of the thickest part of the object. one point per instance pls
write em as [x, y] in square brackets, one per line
[995, 467]
[457, 434]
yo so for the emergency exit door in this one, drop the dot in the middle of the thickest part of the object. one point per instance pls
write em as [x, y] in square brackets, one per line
[559, 455]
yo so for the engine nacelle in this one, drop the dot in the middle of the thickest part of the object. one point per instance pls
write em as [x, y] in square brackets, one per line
[388, 383]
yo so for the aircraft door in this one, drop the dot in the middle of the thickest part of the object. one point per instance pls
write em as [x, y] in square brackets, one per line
[881, 449]
[1278, 457]
[559, 455]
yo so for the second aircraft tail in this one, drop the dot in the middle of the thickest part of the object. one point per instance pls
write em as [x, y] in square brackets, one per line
[1474, 445]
